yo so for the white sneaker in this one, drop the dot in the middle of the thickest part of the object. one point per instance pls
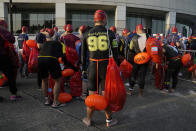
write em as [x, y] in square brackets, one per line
[194, 81]
[47, 101]
[179, 74]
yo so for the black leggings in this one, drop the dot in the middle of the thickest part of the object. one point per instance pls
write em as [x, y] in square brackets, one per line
[92, 75]
[7, 68]
[139, 72]
[172, 72]
[39, 80]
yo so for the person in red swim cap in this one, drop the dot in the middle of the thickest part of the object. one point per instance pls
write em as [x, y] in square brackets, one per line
[21, 38]
[50, 32]
[56, 34]
[69, 28]
[174, 30]
[137, 45]
[173, 38]
[9, 59]
[98, 54]
[24, 29]
[82, 29]
[68, 38]
[113, 29]
[121, 44]
[48, 63]
[125, 32]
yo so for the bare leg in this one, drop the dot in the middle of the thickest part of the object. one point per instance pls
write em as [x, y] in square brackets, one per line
[89, 113]
[140, 92]
[108, 114]
[56, 89]
[45, 87]
[107, 111]
[87, 120]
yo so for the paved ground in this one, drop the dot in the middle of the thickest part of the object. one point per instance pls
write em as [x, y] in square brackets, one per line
[153, 112]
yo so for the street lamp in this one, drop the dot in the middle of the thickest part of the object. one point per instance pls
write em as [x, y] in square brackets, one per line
[11, 18]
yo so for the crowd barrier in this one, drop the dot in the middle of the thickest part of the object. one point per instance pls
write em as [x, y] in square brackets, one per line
[187, 51]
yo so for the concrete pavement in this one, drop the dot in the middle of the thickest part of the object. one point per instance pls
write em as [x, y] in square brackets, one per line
[153, 112]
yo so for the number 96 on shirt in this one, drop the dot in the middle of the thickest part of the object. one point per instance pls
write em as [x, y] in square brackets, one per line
[97, 43]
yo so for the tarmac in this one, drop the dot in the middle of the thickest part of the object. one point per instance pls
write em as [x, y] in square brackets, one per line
[153, 112]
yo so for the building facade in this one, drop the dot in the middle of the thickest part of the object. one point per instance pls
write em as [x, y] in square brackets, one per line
[158, 16]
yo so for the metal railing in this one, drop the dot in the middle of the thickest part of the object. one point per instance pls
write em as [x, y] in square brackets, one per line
[191, 51]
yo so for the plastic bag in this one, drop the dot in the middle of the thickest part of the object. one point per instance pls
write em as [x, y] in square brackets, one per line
[115, 92]
[26, 52]
[33, 60]
[126, 69]
[76, 84]
[72, 56]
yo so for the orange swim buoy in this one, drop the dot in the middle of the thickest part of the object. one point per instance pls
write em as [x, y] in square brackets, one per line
[67, 72]
[186, 59]
[141, 58]
[64, 97]
[96, 101]
[60, 60]
[31, 43]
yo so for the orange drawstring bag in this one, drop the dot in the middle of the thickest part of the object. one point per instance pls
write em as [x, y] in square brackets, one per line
[126, 69]
[115, 92]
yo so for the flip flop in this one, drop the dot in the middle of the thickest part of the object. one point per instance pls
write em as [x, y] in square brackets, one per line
[58, 105]
[86, 121]
[14, 97]
[164, 91]
[47, 102]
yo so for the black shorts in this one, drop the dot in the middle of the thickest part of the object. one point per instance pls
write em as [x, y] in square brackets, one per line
[49, 65]
[92, 75]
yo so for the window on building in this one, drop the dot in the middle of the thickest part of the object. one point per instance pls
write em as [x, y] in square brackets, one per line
[185, 30]
[78, 18]
[133, 21]
[158, 26]
[33, 20]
